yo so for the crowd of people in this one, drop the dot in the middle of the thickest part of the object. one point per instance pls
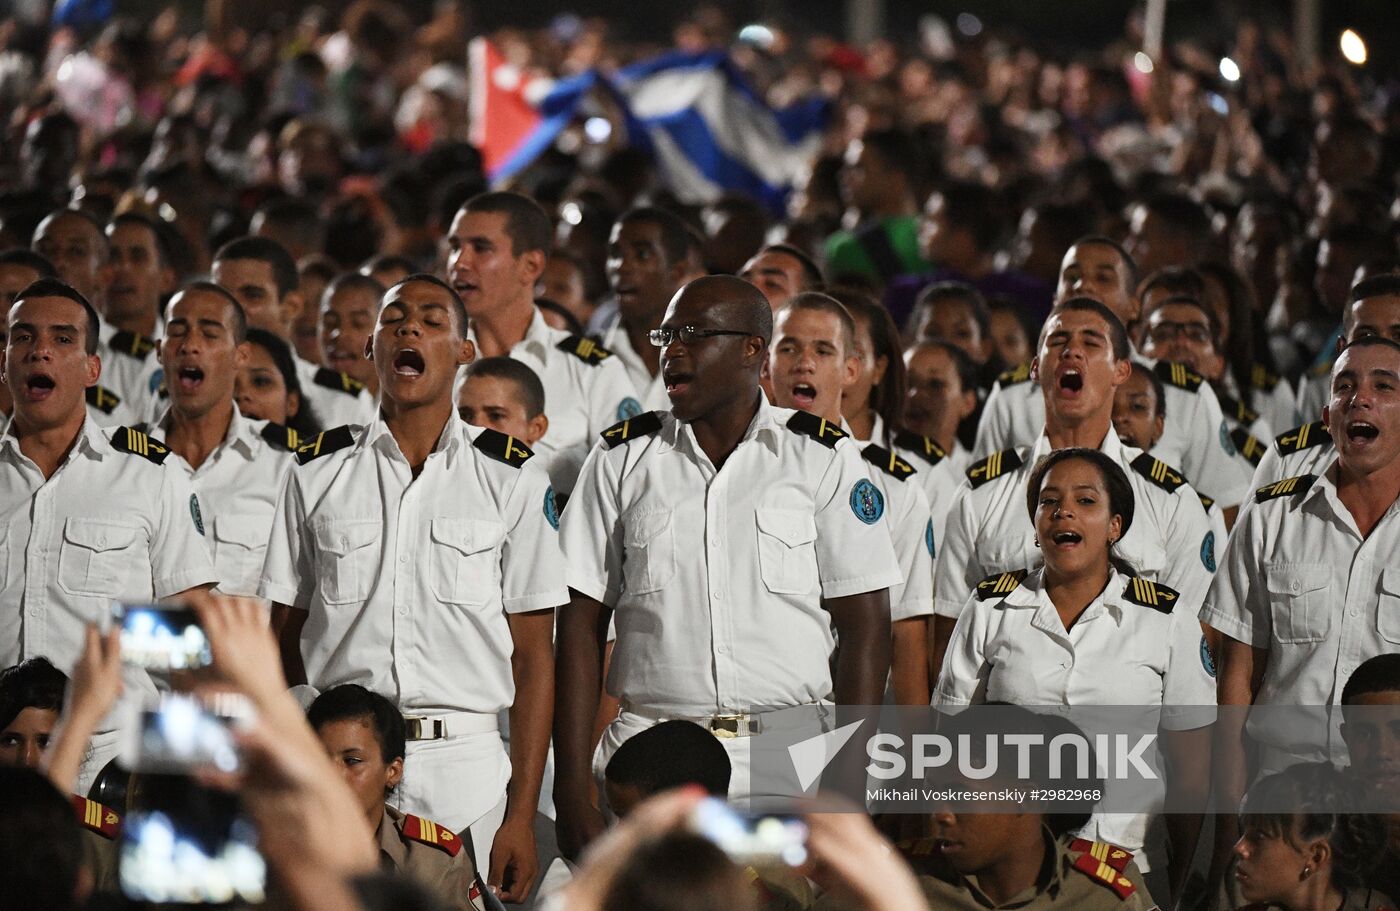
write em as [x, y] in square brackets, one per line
[1063, 379]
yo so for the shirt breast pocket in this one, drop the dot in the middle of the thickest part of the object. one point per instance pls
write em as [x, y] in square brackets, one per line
[649, 552]
[1298, 602]
[98, 556]
[240, 541]
[787, 550]
[1388, 605]
[465, 566]
[345, 562]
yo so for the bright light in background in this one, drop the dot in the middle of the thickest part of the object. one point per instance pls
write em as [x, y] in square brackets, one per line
[1353, 48]
[1229, 70]
[1142, 63]
[597, 129]
[761, 36]
[969, 25]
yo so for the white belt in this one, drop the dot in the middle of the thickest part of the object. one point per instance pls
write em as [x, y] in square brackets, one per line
[448, 724]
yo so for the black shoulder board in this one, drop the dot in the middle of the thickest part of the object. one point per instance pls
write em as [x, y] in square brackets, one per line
[1305, 437]
[819, 429]
[129, 439]
[1238, 410]
[921, 446]
[280, 437]
[642, 425]
[1284, 488]
[132, 344]
[1151, 594]
[1206, 502]
[102, 398]
[585, 349]
[503, 447]
[1261, 378]
[1000, 584]
[1179, 375]
[887, 462]
[323, 443]
[993, 467]
[1158, 472]
[1249, 447]
[340, 382]
[1018, 374]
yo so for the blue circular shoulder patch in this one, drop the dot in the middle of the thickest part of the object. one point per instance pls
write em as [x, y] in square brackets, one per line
[1207, 660]
[551, 508]
[628, 408]
[1225, 442]
[867, 502]
[1208, 551]
[156, 379]
[928, 537]
[195, 514]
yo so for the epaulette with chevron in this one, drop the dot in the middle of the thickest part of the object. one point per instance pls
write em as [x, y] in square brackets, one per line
[1151, 594]
[642, 425]
[1238, 410]
[1018, 374]
[337, 381]
[585, 349]
[1263, 379]
[819, 429]
[1158, 472]
[1206, 502]
[132, 344]
[1286, 487]
[503, 447]
[887, 462]
[1248, 446]
[1104, 873]
[95, 817]
[102, 398]
[1305, 437]
[921, 446]
[428, 832]
[1000, 584]
[324, 443]
[280, 437]
[129, 439]
[1116, 857]
[993, 467]
[1179, 375]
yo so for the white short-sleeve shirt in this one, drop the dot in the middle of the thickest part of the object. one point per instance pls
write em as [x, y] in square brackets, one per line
[336, 398]
[1306, 449]
[988, 531]
[717, 577]
[131, 369]
[238, 484]
[407, 581]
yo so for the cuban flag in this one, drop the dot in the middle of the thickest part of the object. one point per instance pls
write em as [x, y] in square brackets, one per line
[706, 128]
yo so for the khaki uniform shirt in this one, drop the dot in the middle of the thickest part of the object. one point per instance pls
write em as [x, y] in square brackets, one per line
[431, 856]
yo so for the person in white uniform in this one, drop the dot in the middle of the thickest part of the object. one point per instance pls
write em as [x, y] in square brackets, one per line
[811, 360]
[941, 393]
[90, 515]
[417, 556]
[727, 537]
[496, 251]
[236, 465]
[1084, 629]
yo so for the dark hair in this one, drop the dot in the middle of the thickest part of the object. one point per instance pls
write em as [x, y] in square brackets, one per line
[387, 261]
[32, 684]
[1182, 214]
[298, 218]
[896, 150]
[669, 755]
[1387, 285]
[41, 848]
[974, 208]
[1379, 674]
[29, 259]
[527, 225]
[1117, 335]
[1313, 800]
[1238, 346]
[811, 274]
[675, 240]
[305, 422]
[240, 318]
[81, 215]
[53, 287]
[265, 250]
[1159, 391]
[159, 233]
[1130, 264]
[527, 382]
[938, 292]
[352, 281]
[964, 365]
[680, 871]
[459, 309]
[1121, 501]
[352, 702]
[1369, 341]
[817, 302]
[572, 322]
[1183, 281]
[1188, 301]
[887, 398]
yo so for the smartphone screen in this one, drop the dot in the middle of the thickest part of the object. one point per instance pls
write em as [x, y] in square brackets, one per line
[159, 637]
[751, 839]
[188, 844]
[182, 734]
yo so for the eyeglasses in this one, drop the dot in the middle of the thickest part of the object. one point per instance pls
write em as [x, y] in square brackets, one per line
[687, 334]
[1167, 332]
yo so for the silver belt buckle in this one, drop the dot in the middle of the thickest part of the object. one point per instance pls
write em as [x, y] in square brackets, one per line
[420, 727]
[727, 727]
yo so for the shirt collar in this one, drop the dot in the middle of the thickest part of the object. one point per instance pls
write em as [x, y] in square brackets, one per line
[1111, 446]
[1031, 593]
[538, 339]
[391, 846]
[377, 433]
[90, 440]
[766, 427]
[242, 432]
